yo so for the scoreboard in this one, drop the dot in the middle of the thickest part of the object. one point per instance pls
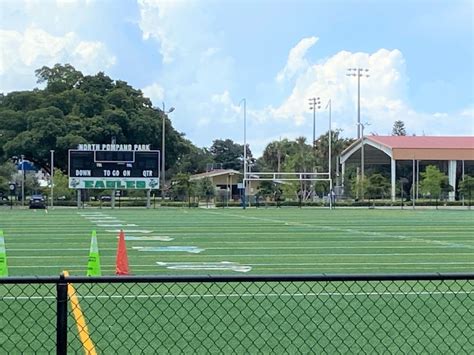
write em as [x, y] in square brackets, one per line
[114, 166]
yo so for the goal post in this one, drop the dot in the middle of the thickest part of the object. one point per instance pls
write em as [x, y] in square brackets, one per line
[288, 176]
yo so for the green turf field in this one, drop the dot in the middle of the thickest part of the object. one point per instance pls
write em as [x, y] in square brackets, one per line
[286, 317]
[263, 241]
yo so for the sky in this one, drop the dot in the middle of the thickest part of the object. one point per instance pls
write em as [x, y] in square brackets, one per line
[205, 58]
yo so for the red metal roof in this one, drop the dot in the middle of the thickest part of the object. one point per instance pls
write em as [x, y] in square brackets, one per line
[424, 142]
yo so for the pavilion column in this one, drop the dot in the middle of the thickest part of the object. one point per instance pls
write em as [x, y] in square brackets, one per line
[452, 178]
[343, 172]
[393, 174]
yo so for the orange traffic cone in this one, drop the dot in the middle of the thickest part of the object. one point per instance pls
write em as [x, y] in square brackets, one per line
[121, 263]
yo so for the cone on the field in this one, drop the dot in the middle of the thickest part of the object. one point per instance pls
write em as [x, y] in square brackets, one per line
[93, 265]
[121, 263]
[3, 257]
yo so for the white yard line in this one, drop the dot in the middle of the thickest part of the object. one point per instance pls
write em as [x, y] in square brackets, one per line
[463, 263]
[55, 249]
[308, 244]
[349, 230]
[247, 255]
[249, 295]
[269, 248]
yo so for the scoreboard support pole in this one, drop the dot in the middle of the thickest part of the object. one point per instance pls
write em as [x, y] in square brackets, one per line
[78, 198]
[148, 199]
[112, 199]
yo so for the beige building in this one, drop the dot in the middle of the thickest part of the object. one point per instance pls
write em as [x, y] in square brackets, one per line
[223, 180]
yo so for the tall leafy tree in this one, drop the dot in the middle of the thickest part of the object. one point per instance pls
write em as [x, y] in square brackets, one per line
[466, 188]
[74, 109]
[61, 185]
[229, 154]
[182, 187]
[433, 183]
[378, 186]
[7, 171]
[359, 187]
[338, 145]
[59, 77]
[206, 189]
[276, 154]
[398, 128]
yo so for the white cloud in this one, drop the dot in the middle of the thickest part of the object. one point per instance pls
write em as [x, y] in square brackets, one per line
[223, 105]
[155, 92]
[196, 75]
[198, 78]
[383, 96]
[158, 20]
[23, 52]
[383, 101]
[296, 59]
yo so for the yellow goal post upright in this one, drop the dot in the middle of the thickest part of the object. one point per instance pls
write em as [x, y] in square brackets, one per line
[285, 176]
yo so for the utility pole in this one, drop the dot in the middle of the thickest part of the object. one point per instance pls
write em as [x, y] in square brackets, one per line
[245, 152]
[163, 129]
[52, 178]
[358, 72]
[314, 104]
[279, 156]
[22, 180]
[362, 155]
[328, 106]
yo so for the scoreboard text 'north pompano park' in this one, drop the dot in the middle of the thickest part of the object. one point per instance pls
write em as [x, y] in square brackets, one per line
[114, 166]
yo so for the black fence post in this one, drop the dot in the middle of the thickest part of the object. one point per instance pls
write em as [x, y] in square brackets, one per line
[61, 316]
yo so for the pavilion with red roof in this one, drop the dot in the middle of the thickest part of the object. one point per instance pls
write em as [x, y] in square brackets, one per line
[452, 154]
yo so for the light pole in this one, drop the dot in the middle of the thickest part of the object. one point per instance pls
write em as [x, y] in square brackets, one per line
[358, 72]
[245, 150]
[362, 155]
[328, 106]
[52, 177]
[163, 151]
[314, 104]
[22, 180]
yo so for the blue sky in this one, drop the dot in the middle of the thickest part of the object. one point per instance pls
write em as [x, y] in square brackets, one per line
[203, 57]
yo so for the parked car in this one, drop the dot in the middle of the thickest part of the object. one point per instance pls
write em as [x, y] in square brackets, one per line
[37, 201]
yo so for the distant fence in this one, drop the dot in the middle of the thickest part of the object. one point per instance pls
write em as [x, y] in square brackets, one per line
[410, 313]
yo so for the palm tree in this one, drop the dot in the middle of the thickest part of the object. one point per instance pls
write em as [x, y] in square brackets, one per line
[322, 149]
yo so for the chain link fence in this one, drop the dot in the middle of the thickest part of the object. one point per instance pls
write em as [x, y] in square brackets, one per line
[414, 313]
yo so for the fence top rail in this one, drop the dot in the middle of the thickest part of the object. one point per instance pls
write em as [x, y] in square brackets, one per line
[30, 280]
[239, 278]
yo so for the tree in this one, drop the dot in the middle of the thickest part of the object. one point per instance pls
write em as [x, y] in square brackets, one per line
[466, 188]
[399, 128]
[377, 186]
[302, 160]
[359, 187]
[267, 189]
[77, 109]
[59, 78]
[432, 182]
[194, 162]
[61, 185]
[206, 189]
[182, 187]
[7, 170]
[229, 154]
[338, 145]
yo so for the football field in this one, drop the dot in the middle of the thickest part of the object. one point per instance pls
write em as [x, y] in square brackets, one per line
[243, 317]
[236, 241]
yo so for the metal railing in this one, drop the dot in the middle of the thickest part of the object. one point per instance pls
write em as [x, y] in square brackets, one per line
[403, 313]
